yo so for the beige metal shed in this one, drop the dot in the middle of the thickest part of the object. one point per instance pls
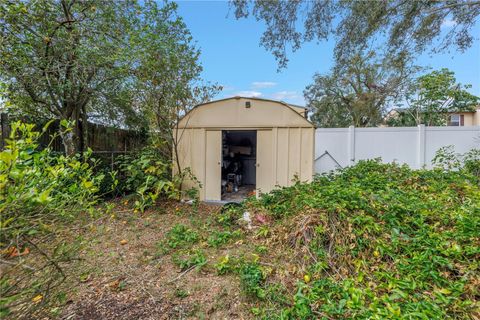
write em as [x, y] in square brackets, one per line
[239, 145]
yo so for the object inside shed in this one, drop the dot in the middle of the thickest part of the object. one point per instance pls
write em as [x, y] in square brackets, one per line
[239, 160]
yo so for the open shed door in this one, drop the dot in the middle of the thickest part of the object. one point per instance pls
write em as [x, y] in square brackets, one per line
[213, 174]
[264, 161]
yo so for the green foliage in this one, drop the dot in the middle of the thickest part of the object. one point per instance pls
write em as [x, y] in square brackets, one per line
[38, 189]
[388, 242]
[357, 92]
[195, 258]
[180, 236]
[37, 185]
[226, 265]
[148, 175]
[432, 97]
[229, 215]
[396, 27]
[67, 60]
[219, 238]
[447, 159]
[252, 280]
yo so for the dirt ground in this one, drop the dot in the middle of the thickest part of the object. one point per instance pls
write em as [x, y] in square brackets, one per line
[122, 275]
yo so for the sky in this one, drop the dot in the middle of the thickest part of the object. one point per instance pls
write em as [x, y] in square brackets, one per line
[232, 56]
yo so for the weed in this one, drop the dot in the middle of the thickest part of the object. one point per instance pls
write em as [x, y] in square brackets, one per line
[226, 265]
[252, 279]
[400, 238]
[219, 238]
[263, 232]
[229, 214]
[190, 259]
[180, 235]
[181, 293]
[261, 249]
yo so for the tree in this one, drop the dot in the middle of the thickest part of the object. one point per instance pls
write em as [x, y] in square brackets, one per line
[406, 26]
[71, 60]
[169, 83]
[432, 97]
[57, 57]
[357, 93]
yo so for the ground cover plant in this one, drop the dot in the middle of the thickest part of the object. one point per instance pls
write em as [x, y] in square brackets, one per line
[378, 241]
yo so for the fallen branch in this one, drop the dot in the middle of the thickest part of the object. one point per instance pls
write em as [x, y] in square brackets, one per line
[16, 264]
[181, 274]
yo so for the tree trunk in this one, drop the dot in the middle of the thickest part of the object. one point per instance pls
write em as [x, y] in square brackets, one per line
[84, 136]
[68, 141]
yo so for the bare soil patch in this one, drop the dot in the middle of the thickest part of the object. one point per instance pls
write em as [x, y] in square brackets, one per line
[124, 275]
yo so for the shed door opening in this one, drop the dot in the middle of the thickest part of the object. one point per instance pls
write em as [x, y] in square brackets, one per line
[239, 158]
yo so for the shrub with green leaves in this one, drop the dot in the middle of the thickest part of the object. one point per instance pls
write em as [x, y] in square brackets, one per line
[385, 241]
[446, 158]
[38, 190]
[146, 174]
[149, 175]
[252, 279]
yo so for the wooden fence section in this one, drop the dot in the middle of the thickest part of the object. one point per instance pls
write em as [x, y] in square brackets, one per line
[101, 139]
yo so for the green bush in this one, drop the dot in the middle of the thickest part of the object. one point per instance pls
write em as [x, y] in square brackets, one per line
[388, 242]
[446, 158]
[38, 190]
[252, 279]
[149, 176]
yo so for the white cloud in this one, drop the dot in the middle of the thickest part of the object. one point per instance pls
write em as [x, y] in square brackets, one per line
[263, 84]
[448, 23]
[249, 93]
[289, 97]
[282, 95]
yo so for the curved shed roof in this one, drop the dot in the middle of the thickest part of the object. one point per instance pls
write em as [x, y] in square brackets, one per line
[234, 112]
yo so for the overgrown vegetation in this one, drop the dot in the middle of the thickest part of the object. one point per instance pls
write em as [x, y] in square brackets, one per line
[447, 159]
[148, 175]
[370, 241]
[374, 241]
[38, 190]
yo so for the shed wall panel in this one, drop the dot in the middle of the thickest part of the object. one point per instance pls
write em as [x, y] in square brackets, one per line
[282, 157]
[294, 154]
[307, 146]
[265, 155]
[213, 173]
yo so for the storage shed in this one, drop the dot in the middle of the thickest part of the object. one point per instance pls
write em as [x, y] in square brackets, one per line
[239, 146]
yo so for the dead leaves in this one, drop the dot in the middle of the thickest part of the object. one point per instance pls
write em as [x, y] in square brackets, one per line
[12, 252]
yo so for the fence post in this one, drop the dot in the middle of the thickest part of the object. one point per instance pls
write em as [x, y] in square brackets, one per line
[351, 145]
[421, 146]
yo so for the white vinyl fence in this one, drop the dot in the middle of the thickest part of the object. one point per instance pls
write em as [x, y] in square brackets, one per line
[415, 146]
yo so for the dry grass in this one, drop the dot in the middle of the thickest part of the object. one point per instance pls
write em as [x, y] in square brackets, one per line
[122, 273]
[122, 276]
